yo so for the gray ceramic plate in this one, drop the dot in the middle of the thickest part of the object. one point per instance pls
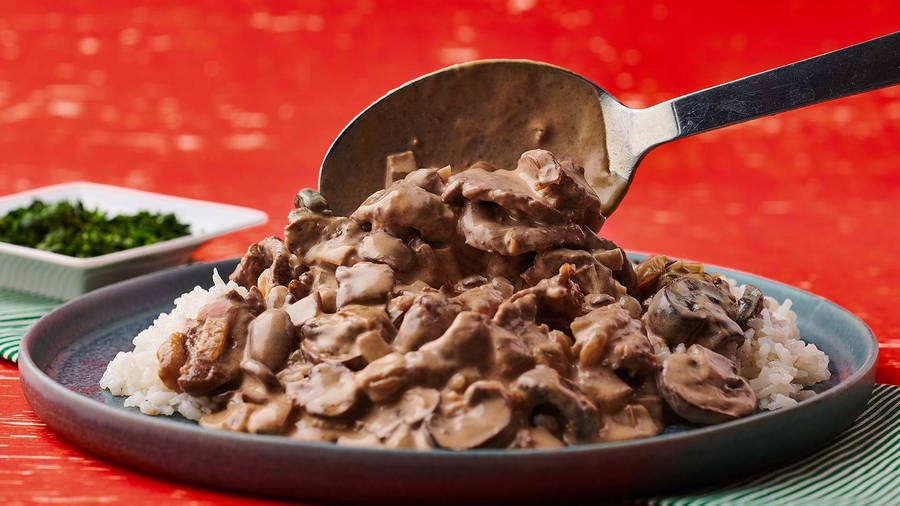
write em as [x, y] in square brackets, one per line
[65, 353]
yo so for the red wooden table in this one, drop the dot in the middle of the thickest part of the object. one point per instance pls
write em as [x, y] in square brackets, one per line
[238, 102]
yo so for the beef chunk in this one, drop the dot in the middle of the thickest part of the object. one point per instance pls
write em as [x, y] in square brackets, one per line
[540, 188]
[502, 187]
[484, 299]
[429, 316]
[323, 283]
[489, 227]
[466, 343]
[404, 207]
[270, 252]
[562, 186]
[610, 337]
[363, 282]
[613, 257]
[604, 387]
[550, 348]
[592, 276]
[172, 354]
[433, 265]
[399, 165]
[322, 239]
[383, 248]
[427, 179]
[558, 298]
[209, 354]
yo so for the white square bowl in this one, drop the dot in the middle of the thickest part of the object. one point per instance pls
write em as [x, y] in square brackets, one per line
[65, 277]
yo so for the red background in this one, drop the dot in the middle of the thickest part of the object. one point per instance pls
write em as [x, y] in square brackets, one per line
[238, 102]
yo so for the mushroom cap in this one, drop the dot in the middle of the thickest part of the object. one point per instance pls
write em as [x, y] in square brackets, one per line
[543, 386]
[329, 390]
[383, 377]
[399, 424]
[704, 387]
[690, 310]
[335, 337]
[271, 338]
[483, 415]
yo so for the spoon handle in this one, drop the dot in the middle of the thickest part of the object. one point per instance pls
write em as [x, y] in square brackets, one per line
[854, 69]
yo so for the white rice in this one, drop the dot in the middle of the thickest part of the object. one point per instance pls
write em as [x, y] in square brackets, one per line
[778, 364]
[773, 358]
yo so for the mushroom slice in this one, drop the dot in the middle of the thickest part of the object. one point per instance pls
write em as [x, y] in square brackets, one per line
[271, 417]
[631, 422]
[483, 416]
[543, 387]
[536, 437]
[418, 403]
[749, 305]
[336, 337]
[398, 423]
[704, 387]
[329, 391]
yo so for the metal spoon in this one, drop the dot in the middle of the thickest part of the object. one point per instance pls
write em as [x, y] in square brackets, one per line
[493, 110]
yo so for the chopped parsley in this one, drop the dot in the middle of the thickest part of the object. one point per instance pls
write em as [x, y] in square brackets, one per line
[71, 229]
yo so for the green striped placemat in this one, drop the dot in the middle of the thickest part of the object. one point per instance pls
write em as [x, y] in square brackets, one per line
[18, 311]
[860, 467]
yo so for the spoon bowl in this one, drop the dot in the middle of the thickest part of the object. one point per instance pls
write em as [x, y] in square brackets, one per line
[489, 110]
[493, 110]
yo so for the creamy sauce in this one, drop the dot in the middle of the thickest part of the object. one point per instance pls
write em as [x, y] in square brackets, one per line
[458, 311]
